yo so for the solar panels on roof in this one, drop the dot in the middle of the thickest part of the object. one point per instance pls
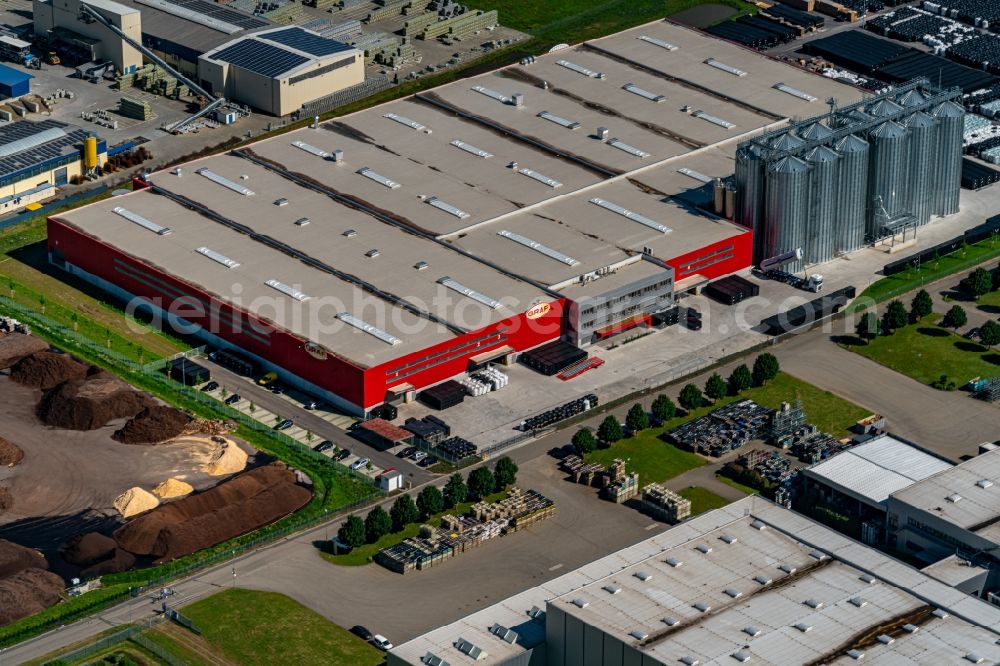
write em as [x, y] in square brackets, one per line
[135, 218]
[360, 324]
[259, 57]
[468, 648]
[286, 290]
[307, 42]
[538, 247]
[209, 14]
[30, 140]
[635, 217]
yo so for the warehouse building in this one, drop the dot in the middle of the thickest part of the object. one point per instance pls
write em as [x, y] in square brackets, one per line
[953, 512]
[865, 171]
[455, 228]
[277, 71]
[858, 482]
[13, 82]
[65, 22]
[749, 583]
[37, 157]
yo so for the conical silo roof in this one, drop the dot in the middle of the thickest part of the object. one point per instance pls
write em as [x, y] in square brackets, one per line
[912, 98]
[884, 108]
[888, 130]
[816, 131]
[822, 154]
[790, 165]
[920, 120]
[852, 143]
[949, 110]
[787, 141]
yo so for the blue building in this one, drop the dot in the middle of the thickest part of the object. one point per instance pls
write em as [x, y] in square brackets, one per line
[13, 82]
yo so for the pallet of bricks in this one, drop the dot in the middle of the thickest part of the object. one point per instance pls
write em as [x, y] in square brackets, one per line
[664, 504]
[131, 108]
[462, 25]
[388, 9]
[519, 509]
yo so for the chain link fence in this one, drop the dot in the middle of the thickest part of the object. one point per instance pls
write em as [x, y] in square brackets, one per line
[132, 633]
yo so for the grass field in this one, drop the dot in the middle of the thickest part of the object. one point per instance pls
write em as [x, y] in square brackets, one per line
[989, 302]
[251, 627]
[654, 460]
[702, 500]
[736, 484]
[192, 649]
[925, 351]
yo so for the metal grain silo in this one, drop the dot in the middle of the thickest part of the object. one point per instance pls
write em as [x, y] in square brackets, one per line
[815, 132]
[787, 141]
[912, 98]
[886, 176]
[750, 179]
[922, 154]
[787, 206]
[883, 108]
[852, 192]
[947, 176]
[820, 233]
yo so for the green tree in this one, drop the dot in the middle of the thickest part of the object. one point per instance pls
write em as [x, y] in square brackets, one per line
[252, 407]
[377, 524]
[481, 483]
[867, 328]
[895, 316]
[921, 306]
[690, 397]
[740, 380]
[610, 430]
[765, 368]
[979, 282]
[430, 501]
[955, 317]
[75, 318]
[989, 333]
[455, 491]
[505, 473]
[403, 512]
[663, 408]
[41, 302]
[584, 440]
[637, 419]
[715, 387]
[352, 532]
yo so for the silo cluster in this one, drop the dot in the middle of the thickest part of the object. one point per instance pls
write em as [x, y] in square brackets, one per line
[830, 184]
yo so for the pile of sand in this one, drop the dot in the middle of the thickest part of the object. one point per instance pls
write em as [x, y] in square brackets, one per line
[134, 501]
[15, 346]
[86, 549]
[47, 370]
[10, 455]
[28, 592]
[229, 459]
[204, 519]
[172, 488]
[89, 404]
[154, 424]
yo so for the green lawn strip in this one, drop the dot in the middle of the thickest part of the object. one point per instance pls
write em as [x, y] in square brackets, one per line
[364, 554]
[931, 271]
[169, 645]
[654, 460]
[736, 484]
[991, 300]
[828, 412]
[925, 351]
[702, 500]
[253, 627]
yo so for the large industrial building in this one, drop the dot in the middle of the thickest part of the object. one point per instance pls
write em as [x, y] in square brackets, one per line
[749, 583]
[834, 182]
[383, 252]
[66, 22]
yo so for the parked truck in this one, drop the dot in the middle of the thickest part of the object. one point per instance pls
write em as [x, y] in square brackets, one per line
[770, 269]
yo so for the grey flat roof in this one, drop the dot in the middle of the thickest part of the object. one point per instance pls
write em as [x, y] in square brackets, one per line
[825, 566]
[973, 506]
[176, 29]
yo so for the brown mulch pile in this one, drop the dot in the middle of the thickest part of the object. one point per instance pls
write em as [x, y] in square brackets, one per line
[91, 403]
[9, 454]
[6, 499]
[47, 370]
[15, 346]
[14, 558]
[204, 519]
[154, 424]
[85, 549]
[119, 562]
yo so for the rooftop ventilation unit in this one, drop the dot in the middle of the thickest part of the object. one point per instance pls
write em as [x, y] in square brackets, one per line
[813, 603]
[631, 150]
[688, 660]
[795, 92]
[713, 119]
[378, 178]
[911, 628]
[868, 578]
[729, 69]
[558, 120]
[658, 42]
[225, 182]
[729, 538]
[742, 656]
[349, 233]
[671, 621]
[432, 659]
[538, 247]
[674, 562]
[281, 202]
[856, 655]
[612, 589]
[885, 639]
[536, 613]
[702, 606]
[359, 324]
[541, 178]
[454, 285]
[757, 524]
[697, 175]
[580, 603]
[465, 647]
[940, 613]
[984, 483]
[788, 568]
[421, 265]
[135, 218]
[218, 257]
[974, 658]
[643, 576]
[733, 592]
[817, 555]
[447, 207]
[803, 627]
[860, 602]
[954, 497]
[302, 222]
[580, 69]
[762, 579]
[498, 96]
[504, 634]
[472, 150]
[638, 634]
[403, 120]
[641, 92]
[371, 254]
[641, 219]
[286, 290]
[751, 631]
[313, 150]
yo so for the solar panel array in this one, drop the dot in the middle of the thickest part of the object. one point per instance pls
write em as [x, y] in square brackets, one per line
[213, 10]
[31, 156]
[260, 58]
[297, 38]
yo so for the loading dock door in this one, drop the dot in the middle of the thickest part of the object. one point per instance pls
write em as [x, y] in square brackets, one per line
[61, 176]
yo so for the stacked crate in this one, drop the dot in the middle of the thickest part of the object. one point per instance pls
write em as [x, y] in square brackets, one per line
[473, 24]
[387, 10]
[665, 504]
[286, 14]
[131, 108]
[417, 24]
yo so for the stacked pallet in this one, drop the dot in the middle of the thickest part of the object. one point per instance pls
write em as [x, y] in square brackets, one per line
[286, 14]
[475, 23]
[131, 108]
[417, 24]
[665, 504]
[388, 10]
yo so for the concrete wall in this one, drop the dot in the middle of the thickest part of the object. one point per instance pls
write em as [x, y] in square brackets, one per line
[66, 14]
[571, 642]
[926, 536]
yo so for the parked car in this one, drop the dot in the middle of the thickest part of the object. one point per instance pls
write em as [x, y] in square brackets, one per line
[407, 452]
[325, 445]
[233, 399]
[381, 642]
[428, 461]
[417, 456]
[362, 633]
[359, 463]
[344, 453]
[211, 386]
[310, 405]
[972, 334]
[284, 424]
[266, 379]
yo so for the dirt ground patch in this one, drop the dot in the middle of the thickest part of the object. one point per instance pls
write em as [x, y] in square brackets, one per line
[47, 370]
[10, 454]
[703, 16]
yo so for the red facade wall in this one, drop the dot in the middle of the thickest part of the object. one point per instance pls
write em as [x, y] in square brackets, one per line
[716, 260]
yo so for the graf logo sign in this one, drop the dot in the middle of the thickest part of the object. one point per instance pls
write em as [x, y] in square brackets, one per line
[537, 311]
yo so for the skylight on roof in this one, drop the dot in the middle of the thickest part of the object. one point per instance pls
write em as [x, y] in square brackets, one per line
[538, 247]
[630, 214]
[361, 325]
[455, 285]
[795, 92]
[218, 257]
[624, 147]
[403, 120]
[312, 150]
[559, 120]
[658, 42]
[447, 207]
[612, 589]
[135, 218]
[580, 69]
[551, 182]
[498, 96]
[286, 290]
[472, 150]
[378, 178]
[225, 182]
[697, 175]
[715, 120]
[729, 69]
[642, 92]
